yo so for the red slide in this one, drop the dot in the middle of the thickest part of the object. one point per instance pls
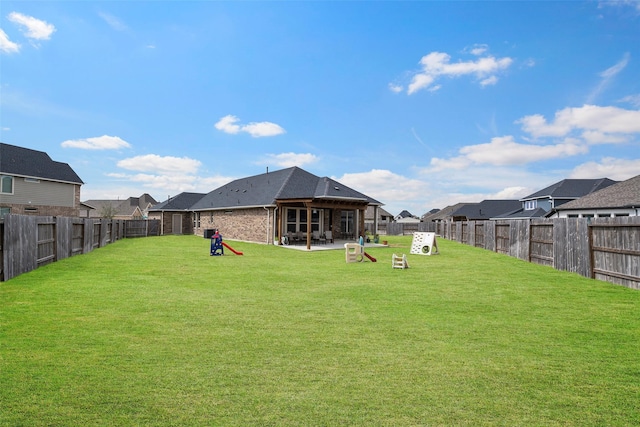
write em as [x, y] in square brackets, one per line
[231, 249]
[370, 257]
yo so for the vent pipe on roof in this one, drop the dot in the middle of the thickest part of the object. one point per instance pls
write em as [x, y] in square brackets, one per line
[267, 169]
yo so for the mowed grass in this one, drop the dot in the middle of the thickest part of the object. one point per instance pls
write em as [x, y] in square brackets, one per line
[155, 331]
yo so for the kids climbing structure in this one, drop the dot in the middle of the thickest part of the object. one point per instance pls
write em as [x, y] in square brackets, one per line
[424, 244]
[217, 245]
[354, 252]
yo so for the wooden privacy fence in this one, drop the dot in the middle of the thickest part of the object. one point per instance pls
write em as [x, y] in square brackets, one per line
[28, 242]
[601, 248]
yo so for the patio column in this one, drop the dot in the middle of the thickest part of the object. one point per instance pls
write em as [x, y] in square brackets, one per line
[309, 226]
[280, 223]
[375, 220]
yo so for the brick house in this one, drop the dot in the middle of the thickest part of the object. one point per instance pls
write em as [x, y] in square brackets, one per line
[129, 208]
[174, 213]
[266, 207]
[540, 203]
[32, 183]
[617, 200]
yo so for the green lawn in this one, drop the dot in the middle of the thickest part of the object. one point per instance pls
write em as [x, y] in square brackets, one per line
[154, 331]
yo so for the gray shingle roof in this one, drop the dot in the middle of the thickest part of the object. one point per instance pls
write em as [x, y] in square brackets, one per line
[487, 209]
[621, 195]
[181, 202]
[444, 213]
[406, 214]
[122, 207]
[571, 188]
[522, 213]
[284, 184]
[25, 162]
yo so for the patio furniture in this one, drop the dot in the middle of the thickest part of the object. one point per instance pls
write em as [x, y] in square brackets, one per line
[328, 235]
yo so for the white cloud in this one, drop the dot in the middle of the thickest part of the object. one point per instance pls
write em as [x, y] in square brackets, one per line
[260, 129]
[104, 142]
[617, 169]
[228, 124]
[420, 81]
[396, 191]
[164, 165]
[606, 120]
[395, 88]
[632, 3]
[632, 99]
[437, 64]
[113, 21]
[164, 184]
[6, 45]
[489, 81]
[503, 151]
[33, 28]
[511, 193]
[608, 75]
[478, 49]
[287, 160]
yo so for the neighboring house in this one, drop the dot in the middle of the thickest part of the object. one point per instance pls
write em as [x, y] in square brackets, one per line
[426, 216]
[291, 200]
[406, 216]
[175, 215]
[538, 204]
[485, 210]
[444, 214]
[370, 217]
[131, 208]
[33, 184]
[621, 199]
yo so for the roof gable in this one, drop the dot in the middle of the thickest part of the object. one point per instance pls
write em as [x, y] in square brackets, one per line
[620, 195]
[570, 188]
[182, 201]
[34, 164]
[487, 209]
[285, 184]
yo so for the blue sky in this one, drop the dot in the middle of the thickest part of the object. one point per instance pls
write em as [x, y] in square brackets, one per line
[417, 104]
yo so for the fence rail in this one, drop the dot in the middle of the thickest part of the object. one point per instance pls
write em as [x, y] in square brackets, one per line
[606, 249]
[28, 242]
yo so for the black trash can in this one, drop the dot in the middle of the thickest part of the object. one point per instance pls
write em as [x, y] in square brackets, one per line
[208, 232]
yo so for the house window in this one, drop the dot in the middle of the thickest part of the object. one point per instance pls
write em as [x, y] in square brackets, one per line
[297, 220]
[530, 205]
[4, 212]
[196, 219]
[6, 184]
[346, 222]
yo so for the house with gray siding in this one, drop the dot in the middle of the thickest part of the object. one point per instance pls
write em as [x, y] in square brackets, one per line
[621, 199]
[540, 203]
[267, 207]
[175, 213]
[32, 183]
[129, 208]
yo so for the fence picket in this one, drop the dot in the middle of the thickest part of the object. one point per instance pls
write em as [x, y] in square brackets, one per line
[28, 242]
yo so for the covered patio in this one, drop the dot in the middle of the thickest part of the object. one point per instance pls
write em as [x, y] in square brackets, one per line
[337, 221]
[337, 244]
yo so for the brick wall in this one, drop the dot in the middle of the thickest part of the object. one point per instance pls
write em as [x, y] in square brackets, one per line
[167, 221]
[42, 210]
[240, 224]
